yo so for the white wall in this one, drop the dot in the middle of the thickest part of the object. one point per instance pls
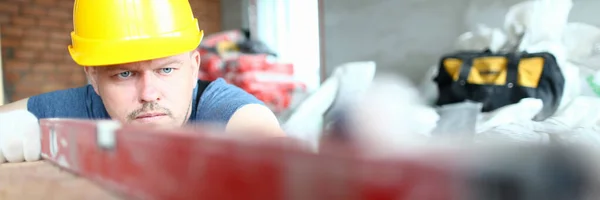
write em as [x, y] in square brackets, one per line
[289, 27]
[408, 36]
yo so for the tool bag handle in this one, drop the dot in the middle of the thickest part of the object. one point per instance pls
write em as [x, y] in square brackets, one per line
[512, 69]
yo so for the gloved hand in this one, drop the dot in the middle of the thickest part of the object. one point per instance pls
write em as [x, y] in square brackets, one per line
[19, 137]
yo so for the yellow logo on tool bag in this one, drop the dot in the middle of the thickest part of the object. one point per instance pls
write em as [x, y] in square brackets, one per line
[492, 70]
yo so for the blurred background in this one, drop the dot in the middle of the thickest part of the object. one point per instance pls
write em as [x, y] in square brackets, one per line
[318, 62]
[282, 50]
[403, 37]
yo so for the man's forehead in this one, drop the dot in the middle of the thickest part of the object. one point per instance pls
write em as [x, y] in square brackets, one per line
[159, 62]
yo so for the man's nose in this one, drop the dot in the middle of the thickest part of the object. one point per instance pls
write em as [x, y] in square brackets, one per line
[147, 86]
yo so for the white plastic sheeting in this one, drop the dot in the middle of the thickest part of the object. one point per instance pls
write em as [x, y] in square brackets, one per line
[534, 26]
[347, 82]
[384, 113]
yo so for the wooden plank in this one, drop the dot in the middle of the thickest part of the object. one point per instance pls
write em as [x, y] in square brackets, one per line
[41, 180]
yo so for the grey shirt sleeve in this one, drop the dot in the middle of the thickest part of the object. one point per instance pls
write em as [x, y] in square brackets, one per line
[220, 100]
[77, 103]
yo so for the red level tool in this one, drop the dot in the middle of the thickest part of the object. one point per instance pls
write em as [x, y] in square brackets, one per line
[144, 163]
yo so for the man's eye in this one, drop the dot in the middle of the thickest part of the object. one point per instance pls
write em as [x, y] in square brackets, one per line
[124, 74]
[166, 70]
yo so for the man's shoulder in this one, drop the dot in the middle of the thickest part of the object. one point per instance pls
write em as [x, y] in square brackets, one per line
[79, 102]
[220, 100]
[220, 88]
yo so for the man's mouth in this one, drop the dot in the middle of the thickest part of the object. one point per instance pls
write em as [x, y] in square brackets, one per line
[147, 117]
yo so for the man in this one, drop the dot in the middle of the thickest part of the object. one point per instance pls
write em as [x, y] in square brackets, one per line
[142, 64]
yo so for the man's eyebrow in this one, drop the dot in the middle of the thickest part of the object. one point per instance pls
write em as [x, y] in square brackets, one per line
[113, 68]
[170, 62]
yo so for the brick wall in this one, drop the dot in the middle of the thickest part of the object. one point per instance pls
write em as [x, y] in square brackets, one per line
[35, 36]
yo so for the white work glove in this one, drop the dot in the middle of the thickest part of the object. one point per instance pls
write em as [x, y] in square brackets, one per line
[19, 137]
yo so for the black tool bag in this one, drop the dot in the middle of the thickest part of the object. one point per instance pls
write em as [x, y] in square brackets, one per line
[500, 79]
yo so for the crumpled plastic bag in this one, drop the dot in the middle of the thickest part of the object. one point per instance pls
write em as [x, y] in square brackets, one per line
[578, 122]
[428, 88]
[544, 22]
[582, 111]
[572, 87]
[305, 123]
[346, 83]
[516, 132]
[582, 43]
[517, 19]
[466, 118]
[458, 119]
[573, 123]
[390, 116]
[590, 82]
[585, 137]
[354, 79]
[524, 110]
[483, 38]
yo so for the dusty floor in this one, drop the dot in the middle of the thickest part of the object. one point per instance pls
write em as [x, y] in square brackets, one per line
[40, 180]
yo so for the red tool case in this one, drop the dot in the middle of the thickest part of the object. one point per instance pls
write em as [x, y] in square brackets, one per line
[153, 164]
[240, 65]
[272, 83]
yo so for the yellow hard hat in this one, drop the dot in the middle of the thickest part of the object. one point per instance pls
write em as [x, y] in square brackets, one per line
[108, 32]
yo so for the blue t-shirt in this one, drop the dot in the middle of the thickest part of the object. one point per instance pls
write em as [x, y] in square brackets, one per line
[218, 101]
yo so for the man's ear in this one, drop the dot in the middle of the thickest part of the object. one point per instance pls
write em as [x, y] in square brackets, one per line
[92, 73]
[195, 57]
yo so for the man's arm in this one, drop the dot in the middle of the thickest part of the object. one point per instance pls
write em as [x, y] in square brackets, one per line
[68, 103]
[17, 105]
[254, 119]
[238, 110]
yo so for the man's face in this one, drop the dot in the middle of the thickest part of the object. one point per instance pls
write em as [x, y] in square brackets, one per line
[155, 92]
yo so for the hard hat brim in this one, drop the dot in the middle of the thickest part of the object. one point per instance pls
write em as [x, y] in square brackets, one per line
[95, 53]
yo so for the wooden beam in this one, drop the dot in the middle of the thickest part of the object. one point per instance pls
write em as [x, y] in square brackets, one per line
[323, 70]
[252, 19]
[2, 91]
